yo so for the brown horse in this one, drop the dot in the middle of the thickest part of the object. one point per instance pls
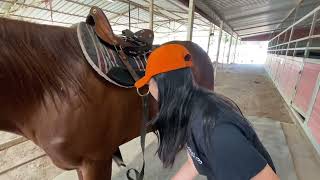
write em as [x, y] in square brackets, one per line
[51, 95]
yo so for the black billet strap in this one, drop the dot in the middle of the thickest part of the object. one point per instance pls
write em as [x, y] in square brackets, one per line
[140, 175]
[145, 113]
[124, 59]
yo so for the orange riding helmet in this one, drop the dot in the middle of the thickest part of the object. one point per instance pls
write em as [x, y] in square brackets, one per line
[166, 58]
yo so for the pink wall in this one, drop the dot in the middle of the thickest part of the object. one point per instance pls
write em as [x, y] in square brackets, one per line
[314, 122]
[285, 72]
[306, 86]
[290, 75]
[274, 67]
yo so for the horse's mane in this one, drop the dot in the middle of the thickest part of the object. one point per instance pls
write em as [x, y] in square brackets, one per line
[38, 60]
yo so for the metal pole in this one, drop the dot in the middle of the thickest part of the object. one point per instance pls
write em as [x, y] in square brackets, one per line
[151, 15]
[190, 20]
[129, 3]
[210, 31]
[292, 30]
[240, 42]
[224, 48]
[229, 48]
[218, 50]
[307, 51]
[277, 44]
[235, 51]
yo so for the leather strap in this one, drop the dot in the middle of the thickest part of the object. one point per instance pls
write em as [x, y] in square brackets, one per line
[145, 109]
[124, 59]
[143, 132]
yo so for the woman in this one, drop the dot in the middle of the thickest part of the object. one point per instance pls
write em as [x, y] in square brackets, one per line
[220, 142]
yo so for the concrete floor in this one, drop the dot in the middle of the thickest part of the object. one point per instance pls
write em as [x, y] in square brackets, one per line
[268, 130]
[250, 88]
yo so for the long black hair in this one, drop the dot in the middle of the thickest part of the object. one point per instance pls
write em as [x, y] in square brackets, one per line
[180, 102]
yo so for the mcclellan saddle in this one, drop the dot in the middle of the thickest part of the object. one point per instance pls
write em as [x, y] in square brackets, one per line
[120, 59]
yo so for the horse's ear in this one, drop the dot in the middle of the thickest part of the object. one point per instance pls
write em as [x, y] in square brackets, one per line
[187, 57]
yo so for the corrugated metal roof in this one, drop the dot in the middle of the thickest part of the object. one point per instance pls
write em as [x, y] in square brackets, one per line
[249, 17]
[68, 12]
[245, 17]
[252, 17]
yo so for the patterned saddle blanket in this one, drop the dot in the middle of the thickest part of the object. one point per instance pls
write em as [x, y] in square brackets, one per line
[105, 60]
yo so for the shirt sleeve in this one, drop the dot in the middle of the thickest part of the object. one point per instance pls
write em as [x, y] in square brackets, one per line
[232, 156]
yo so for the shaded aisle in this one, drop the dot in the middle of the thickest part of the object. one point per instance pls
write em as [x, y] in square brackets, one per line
[250, 87]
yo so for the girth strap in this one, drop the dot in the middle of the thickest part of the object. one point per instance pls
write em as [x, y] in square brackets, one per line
[124, 59]
[145, 114]
[143, 132]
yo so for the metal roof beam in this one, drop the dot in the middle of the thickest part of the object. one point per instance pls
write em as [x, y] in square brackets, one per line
[87, 5]
[213, 15]
[142, 7]
[181, 22]
[252, 27]
[267, 12]
[40, 19]
[122, 13]
[256, 33]
[37, 7]
[182, 8]
[205, 30]
[155, 11]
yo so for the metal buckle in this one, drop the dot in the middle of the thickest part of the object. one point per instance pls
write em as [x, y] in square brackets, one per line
[142, 95]
[116, 48]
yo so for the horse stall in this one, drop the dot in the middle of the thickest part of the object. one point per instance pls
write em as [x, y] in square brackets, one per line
[99, 139]
[293, 65]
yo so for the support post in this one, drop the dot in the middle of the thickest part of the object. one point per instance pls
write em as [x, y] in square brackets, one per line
[224, 49]
[190, 19]
[235, 50]
[209, 38]
[230, 43]
[129, 4]
[307, 51]
[218, 50]
[292, 30]
[151, 15]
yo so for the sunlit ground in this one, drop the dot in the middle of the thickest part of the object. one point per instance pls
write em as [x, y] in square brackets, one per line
[252, 52]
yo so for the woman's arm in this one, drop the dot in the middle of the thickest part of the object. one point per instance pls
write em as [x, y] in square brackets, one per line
[266, 174]
[187, 172]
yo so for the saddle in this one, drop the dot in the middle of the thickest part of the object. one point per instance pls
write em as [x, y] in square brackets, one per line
[120, 59]
[131, 43]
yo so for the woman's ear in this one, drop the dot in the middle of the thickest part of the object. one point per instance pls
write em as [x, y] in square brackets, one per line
[153, 88]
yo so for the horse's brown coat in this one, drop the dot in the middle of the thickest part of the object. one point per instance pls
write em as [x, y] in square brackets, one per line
[49, 94]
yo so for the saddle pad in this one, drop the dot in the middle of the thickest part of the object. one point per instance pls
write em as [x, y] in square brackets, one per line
[103, 58]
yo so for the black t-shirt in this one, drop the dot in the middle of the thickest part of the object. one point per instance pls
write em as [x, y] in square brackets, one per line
[234, 151]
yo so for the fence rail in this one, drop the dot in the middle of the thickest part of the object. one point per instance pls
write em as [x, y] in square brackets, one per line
[282, 44]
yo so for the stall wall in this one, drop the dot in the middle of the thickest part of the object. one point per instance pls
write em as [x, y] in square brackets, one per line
[306, 86]
[296, 80]
[288, 76]
[314, 122]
